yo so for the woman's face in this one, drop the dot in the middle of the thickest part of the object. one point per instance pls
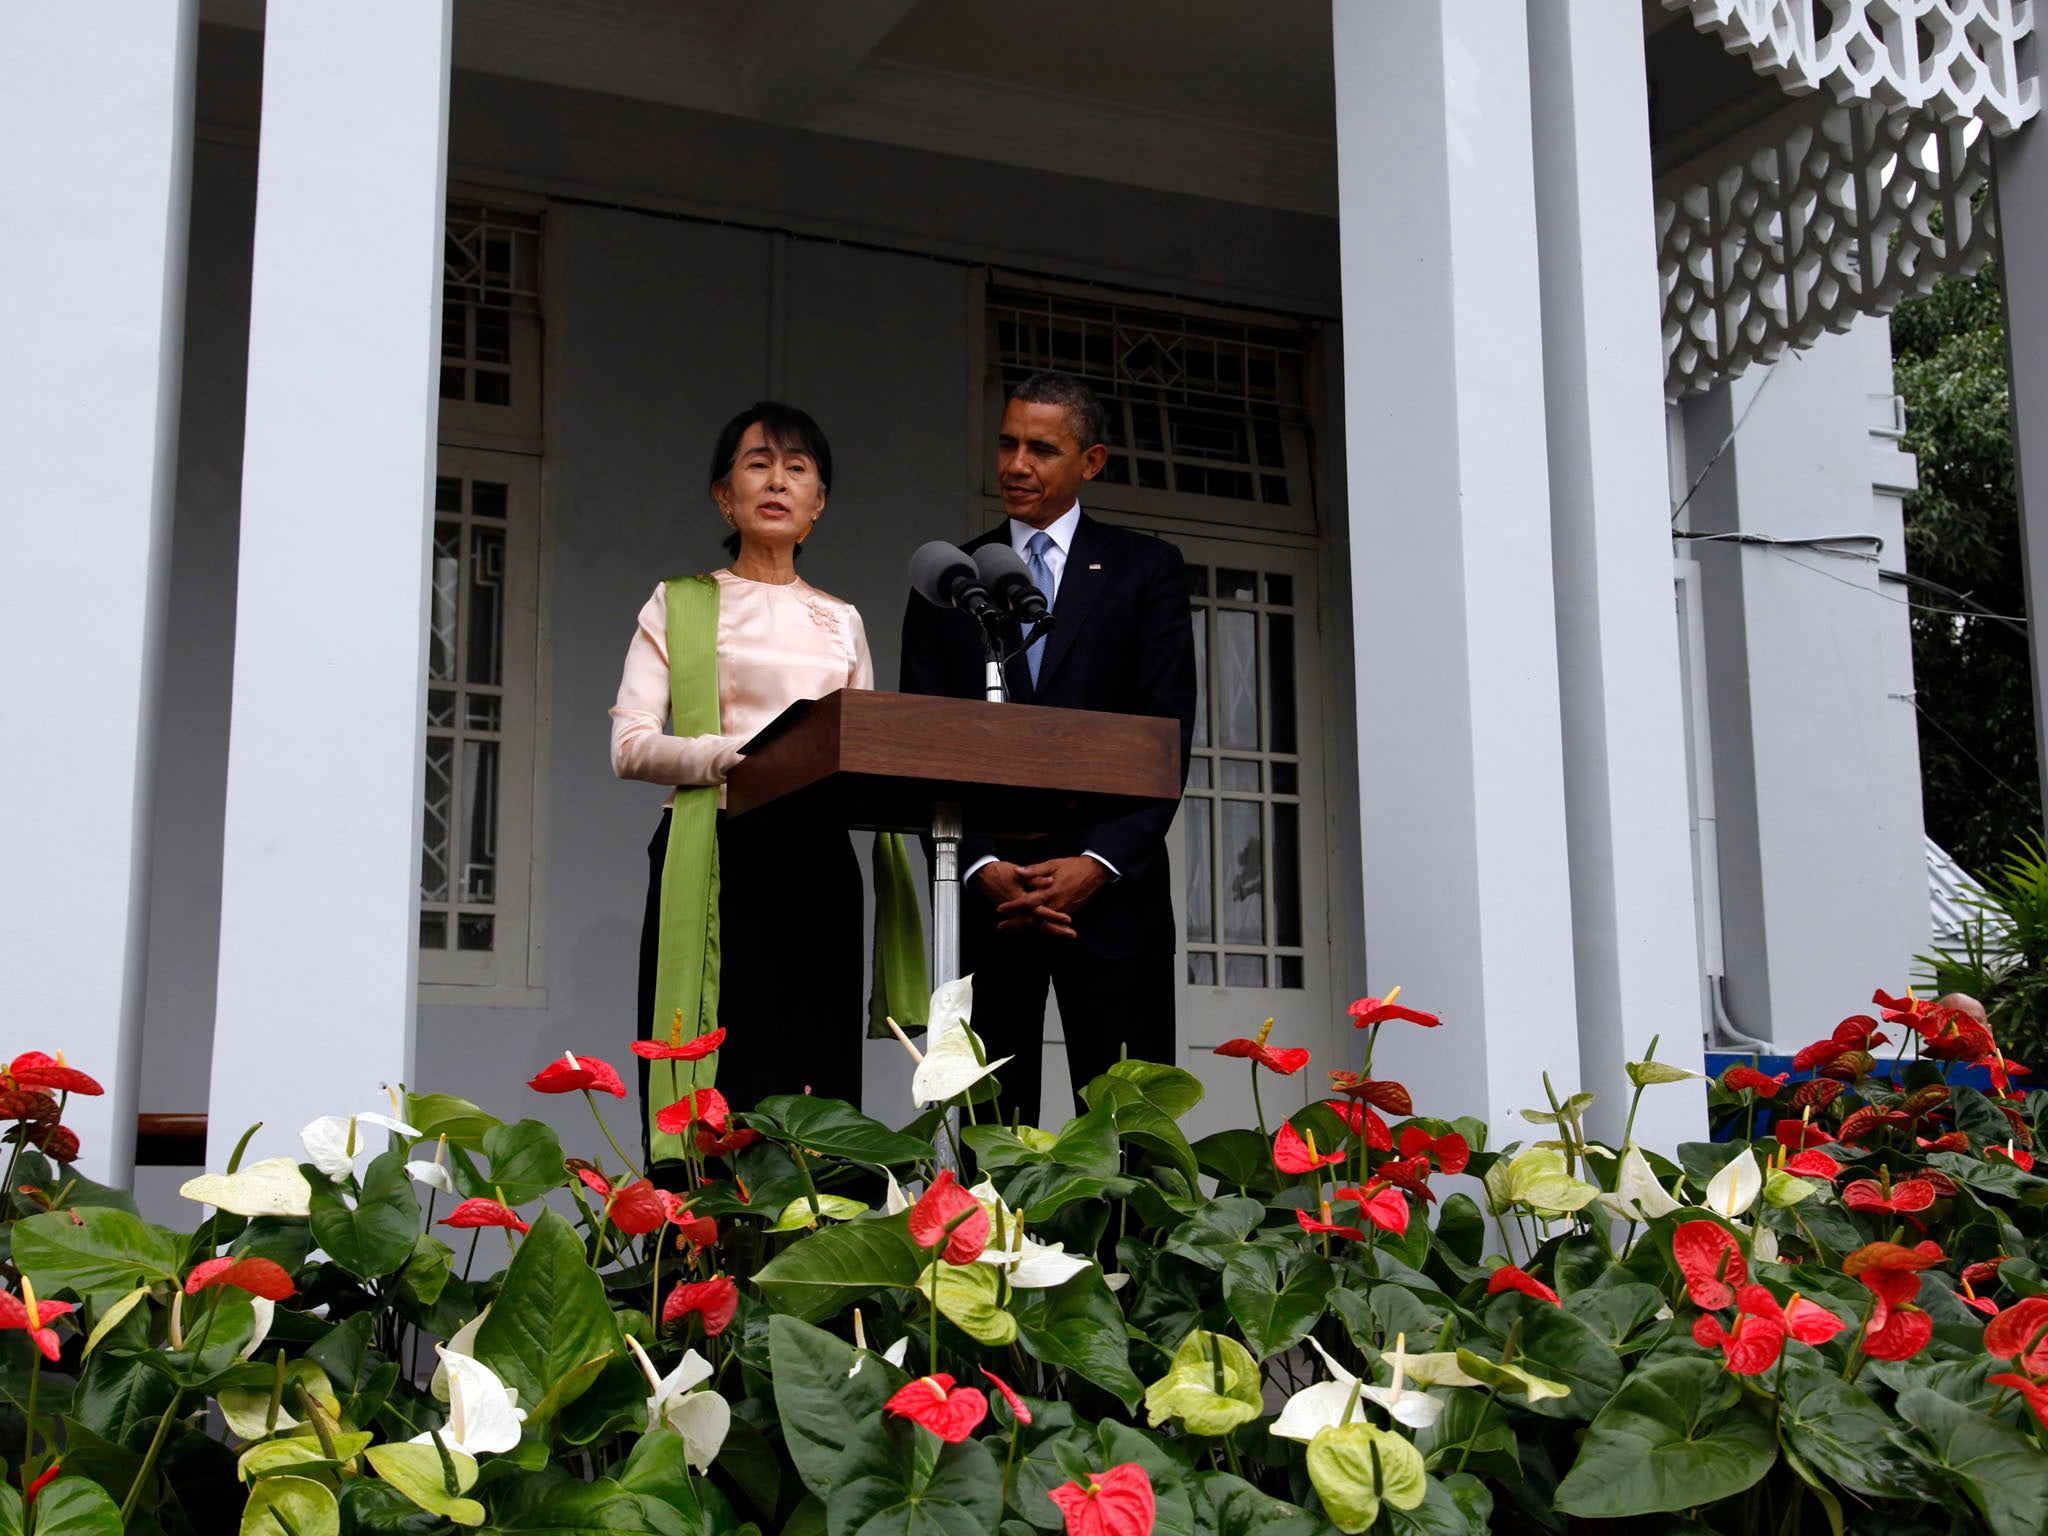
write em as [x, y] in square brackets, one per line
[771, 496]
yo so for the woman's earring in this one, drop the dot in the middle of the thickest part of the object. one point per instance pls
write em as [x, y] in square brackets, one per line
[813, 523]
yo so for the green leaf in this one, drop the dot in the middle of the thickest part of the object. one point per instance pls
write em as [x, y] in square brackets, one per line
[418, 1472]
[309, 1506]
[997, 1147]
[2001, 1470]
[104, 1250]
[1239, 1509]
[1841, 1433]
[1675, 1435]
[426, 1273]
[73, 1506]
[1473, 1432]
[120, 1399]
[1217, 1230]
[110, 1317]
[10, 1512]
[819, 1397]
[1141, 1124]
[1089, 1142]
[1458, 1505]
[376, 1237]
[1357, 1467]
[1173, 1091]
[659, 1468]
[293, 1455]
[526, 1162]
[1212, 1386]
[749, 1458]
[442, 1114]
[835, 1128]
[880, 1490]
[967, 1297]
[1273, 1314]
[1461, 1229]
[1040, 1193]
[1077, 1326]
[1555, 1344]
[550, 1320]
[1238, 1157]
[817, 1275]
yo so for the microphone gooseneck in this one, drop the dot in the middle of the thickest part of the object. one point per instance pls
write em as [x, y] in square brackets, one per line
[1008, 579]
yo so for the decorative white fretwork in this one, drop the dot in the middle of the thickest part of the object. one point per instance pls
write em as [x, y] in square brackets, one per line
[1950, 58]
[1843, 213]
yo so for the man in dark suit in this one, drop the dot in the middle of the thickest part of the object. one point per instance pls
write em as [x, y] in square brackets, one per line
[1088, 913]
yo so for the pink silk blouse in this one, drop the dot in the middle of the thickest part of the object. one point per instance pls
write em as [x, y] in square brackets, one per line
[776, 644]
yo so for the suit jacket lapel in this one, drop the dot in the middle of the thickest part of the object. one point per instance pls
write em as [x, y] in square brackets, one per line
[1080, 584]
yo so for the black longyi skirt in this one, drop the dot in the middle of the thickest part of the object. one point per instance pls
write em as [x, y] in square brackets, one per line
[790, 918]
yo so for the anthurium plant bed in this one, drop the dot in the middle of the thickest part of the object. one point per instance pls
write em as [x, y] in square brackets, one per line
[1357, 1317]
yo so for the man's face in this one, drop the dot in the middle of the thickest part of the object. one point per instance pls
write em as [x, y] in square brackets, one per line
[1040, 464]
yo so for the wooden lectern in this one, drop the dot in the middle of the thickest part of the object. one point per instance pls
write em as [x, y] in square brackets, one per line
[901, 762]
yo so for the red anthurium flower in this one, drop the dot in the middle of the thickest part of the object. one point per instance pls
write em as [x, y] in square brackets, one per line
[1450, 1150]
[1818, 1092]
[1292, 1154]
[1381, 1092]
[1018, 1409]
[34, 1318]
[1738, 1078]
[1813, 1164]
[1982, 1304]
[1941, 1183]
[1752, 1345]
[1860, 1033]
[259, 1277]
[1286, 1060]
[2018, 1156]
[483, 1213]
[1385, 1208]
[1949, 1141]
[2016, 1334]
[1958, 1038]
[30, 1104]
[1908, 1010]
[574, 1074]
[1898, 1330]
[1906, 1195]
[1711, 1261]
[1509, 1278]
[59, 1141]
[1368, 1011]
[1335, 1229]
[593, 1179]
[637, 1208]
[714, 1300]
[2033, 1391]
[1363, 1122]
[1818, 1054]
[712, 1142]
[1982, 1274]
[1798, 1134]
[1115, 1503]
[700, 1231]
[938, 1209]
[1411, 1173]
[1811, 1323]
[2003, 1070]
[948, 1411]
[34, 1069]
[676, 1048]
[1890, 1256]
[28, 1495]
[1847, 1066]
[1867, 1121]
[707, 1106]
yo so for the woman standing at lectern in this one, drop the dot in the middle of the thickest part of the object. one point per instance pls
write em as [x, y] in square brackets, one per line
[747, 926]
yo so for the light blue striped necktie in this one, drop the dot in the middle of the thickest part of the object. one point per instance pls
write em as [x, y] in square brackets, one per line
[1041, 577]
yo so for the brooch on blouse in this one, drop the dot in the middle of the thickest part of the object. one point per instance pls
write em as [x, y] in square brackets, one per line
[823, 617]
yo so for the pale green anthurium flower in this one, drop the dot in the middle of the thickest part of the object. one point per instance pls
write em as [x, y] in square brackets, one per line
[1537, 1178]
[701, 1418]
[483, 1413]
[1116, 1280]
[952, 1063]
[1638, 1196]
[1763, 1245]
[333, 1141]
[894, 1202]
[1783, 1189]
[1212, 1386]
[1357, 1467]
[1503, 1377]
[1439, 1369]
[246, 1410]
[463, 1343]
[433, 1174]
[273, 1187]
[1645, 1074]
[798, 1213]
[1734, 1189]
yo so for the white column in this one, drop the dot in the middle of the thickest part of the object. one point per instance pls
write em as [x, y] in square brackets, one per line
[1634, 946]
[2020, 163]
[1461, 787]
[95, 181]
[320, 864]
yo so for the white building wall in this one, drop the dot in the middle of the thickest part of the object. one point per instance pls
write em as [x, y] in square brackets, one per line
[1816, 762]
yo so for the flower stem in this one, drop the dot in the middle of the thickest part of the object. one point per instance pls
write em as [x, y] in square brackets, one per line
[1259, 1109]
[810, 1189]
[932, 1347]
[591, 1100]
[28, 1447]
[156, 1445]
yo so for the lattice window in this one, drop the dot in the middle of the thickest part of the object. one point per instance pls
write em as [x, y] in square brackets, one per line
[490, 326]
[1207, 416]
[1243, 809]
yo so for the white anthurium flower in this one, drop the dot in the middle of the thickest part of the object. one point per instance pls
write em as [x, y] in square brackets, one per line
[1116, 1280]
[1638, 1196]
[893, 1354]
[273, 1187]
[1734, 1189]
[1439, 1369]
[483, 1413]
[463, 1343]
[894, 1202]
[1418, 1410]
[333, 1141]
[1319, 1406]
[1035, 1266]
[950, 1065]
[1763, 1245]
[701, 1418]
[433, 1174]
[266, 1313]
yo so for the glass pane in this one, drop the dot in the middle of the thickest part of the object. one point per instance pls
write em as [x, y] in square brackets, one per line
[1286, 874]
[1198, 773]
[1280, 680]
[1201, 875]
[434, 825]
[1209, 435]
[440, 706]
[1152, 474]
[1243, 862]
[1244, 970]
[487, 499]
[447, 579]
[1237, 679]
[1286, 779]
[479, 820]
[1200, 480]
[1116, 470]
[1267, 435]
[493, 336]
[454, 332]
[433, 930]
[448, 494]
[485, 620]
[482, 713]
[492, 387]
[1290, 971]
[1145, 429]
[1237, 586]
[473, 930]
[1201, 622]
[1198, 580]
[1201, 969]
[1240, 773]
[1273, 490]
[451, 382]
[1280, 590]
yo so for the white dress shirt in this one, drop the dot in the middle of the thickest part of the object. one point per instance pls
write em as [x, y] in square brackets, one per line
[1061, 529]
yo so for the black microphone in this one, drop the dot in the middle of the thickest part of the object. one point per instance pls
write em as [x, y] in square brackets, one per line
[943, 575]
[1008, 579]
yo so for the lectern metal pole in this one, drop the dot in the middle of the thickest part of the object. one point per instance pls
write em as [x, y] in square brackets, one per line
[945, 892]
[993, 688]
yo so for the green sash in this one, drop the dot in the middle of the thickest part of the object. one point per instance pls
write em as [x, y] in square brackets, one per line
[686, 970]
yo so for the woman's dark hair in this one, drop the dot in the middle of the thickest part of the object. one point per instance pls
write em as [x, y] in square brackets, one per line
[787, 429]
